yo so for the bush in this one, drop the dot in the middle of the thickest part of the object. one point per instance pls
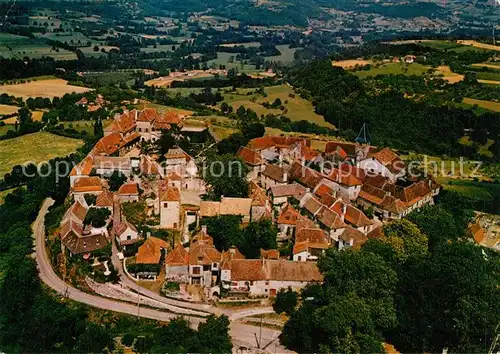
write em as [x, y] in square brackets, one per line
[128, 339]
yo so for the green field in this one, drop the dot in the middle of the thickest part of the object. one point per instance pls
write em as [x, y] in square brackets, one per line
[85, 125]
[159, 48]
[479, 191]
[224, 58]
[488, 105]
[287, 54]
[449, 45]
[5, 128]
[393, 68]
[36, 147]
[13, 46]
[298, 108]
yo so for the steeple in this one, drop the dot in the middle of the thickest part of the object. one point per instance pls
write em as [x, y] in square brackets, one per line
[363, 136]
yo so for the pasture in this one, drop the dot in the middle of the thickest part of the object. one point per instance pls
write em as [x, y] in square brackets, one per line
[352, 63]
[296, 108]
[162, 108]
[286, 56]
[36, 147]
[393, 69]
[13, 46]
[45, 88]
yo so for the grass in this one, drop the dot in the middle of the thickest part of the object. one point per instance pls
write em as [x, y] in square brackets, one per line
[14, 46]
[297, 107]
[163, 108]
[395, 69]
[45, 88]
[4, 193]
[318, 142]
[286, 56]
[5, 128]
[224, 58]
[476, 190]
[36, 147]
[223, 132]
[85, 125]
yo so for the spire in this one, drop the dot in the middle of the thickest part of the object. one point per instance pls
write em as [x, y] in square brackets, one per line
[363, 136]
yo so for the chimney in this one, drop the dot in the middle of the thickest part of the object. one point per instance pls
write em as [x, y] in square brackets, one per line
[204, 229]
[351, 242]
[285, 176]
[344, 209]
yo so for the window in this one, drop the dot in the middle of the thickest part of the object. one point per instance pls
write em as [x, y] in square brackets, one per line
[196, 270]
[129, 237]
[165, 205]
[299, 258]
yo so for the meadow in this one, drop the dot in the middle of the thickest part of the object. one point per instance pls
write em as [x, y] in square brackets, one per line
[489, 105]
[394, 69]
[13, 46]
[44, 88]
[287, 54]
[298, 108]
[6, 109]
[36, 147]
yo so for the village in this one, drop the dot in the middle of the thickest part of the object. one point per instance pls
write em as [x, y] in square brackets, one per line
[340, 205]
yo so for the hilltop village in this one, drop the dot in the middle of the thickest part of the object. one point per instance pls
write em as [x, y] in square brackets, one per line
[342, 204]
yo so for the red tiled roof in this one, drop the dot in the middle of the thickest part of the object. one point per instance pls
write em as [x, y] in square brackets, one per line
[150, 251]
[251, 157]
[288, 216]
[177, 257]
[124, 123]
[305, 175]
[108, 144]
[203, 254]
[278, 141]
[128, 189]
[84, 167]
[313, 205]
[280, 270]
[148, 115]
[105, 199]
[87, 184]
[269, 254]
[312, 235]
[330, 219]
[232, 253]
[168, 193]
[77, 210]
[121, 227]
[286, 190]
[171, 118]
[389, 159]
[357, 237]
[353, 215]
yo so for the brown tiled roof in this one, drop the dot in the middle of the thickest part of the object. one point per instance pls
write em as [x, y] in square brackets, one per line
[77, 210]
[389, 159]
[209, 208]
[174, 176]
[148, 115]
[313, 205]
[202, 237]
[372, 194]
[344, 177]
[251, 157]
[276, 173]
[177, 153]
[87, 184]
[357, 236]
[353, 215]
[203, 254]
[348, 148]
[330, 219]
[177, 257]
[128, 189]
[326, 194]
[305, 175]
[304, 222]
[105, 199]
[74, 240]
[168, 193]
[376, 233]
[269, 254]
[259, 197]
[378, 181]
[120, 227]
[171, 118]
[393, 205]
[415, 192]
[292, 271]
[247, 269]
[307, 153]
[286, 190]
[232, 253]
[148, 166]
[299, 247]
[313, 235]
[150, 251]
[288, 216]
[235, 206]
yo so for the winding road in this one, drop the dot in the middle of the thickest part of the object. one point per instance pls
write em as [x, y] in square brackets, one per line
[242, 334]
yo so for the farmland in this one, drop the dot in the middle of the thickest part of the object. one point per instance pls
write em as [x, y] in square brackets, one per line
[394, 69]
[45, 88]
[37, 147]
[287, 54]
[296, 108]
[490, 105]
[6, 109]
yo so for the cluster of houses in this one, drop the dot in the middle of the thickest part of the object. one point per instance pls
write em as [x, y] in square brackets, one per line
[338, 198]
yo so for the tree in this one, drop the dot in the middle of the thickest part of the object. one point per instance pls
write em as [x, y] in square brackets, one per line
[253, 130]
[213, 335]
[94, 340]
[351, 311]
[116, 180]
[405, 238]
[257, 235]
[231, 144]
[167, 140]
[437, 223]
[90, 198]
[449, 300]
[225, 230]
[226, 176]
[286, 301]
[97, 217]
[25, 117]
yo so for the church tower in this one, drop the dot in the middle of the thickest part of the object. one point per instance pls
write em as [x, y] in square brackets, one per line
[362, 143]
